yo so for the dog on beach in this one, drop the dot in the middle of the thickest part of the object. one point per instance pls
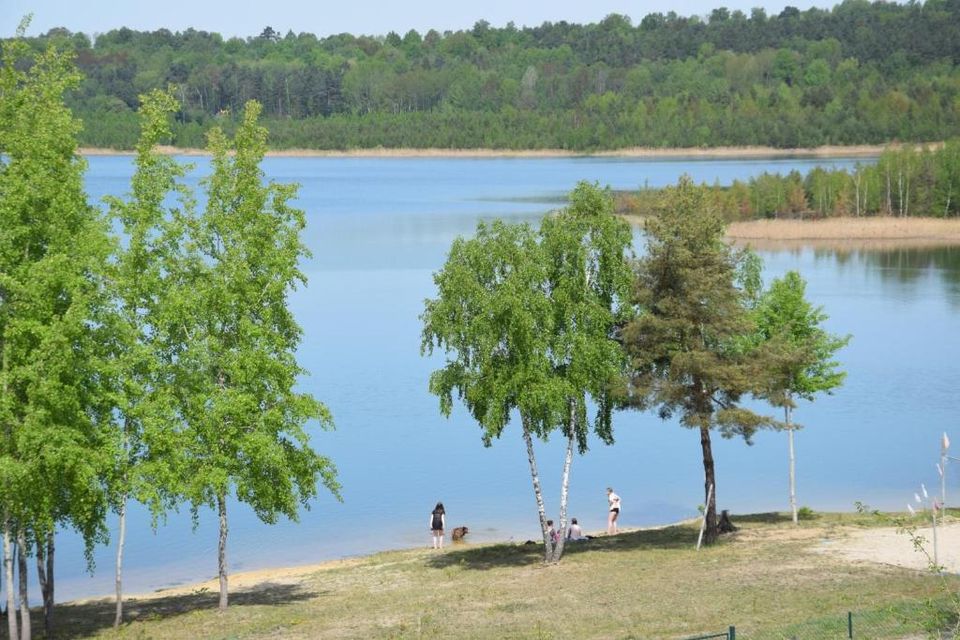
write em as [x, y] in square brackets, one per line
[459, 533]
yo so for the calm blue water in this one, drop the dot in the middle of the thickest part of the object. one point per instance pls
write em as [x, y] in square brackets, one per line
[379, 228]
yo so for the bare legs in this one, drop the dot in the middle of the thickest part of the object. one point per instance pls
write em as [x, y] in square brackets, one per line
[437, 538]
[612, 522]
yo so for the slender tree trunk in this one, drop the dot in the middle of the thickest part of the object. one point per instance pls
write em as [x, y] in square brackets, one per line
[889, 201]
[712, 532]
[564, 492]
[856, 185]
[538, 492]
[222, 550]
[118, 618]
[793, 463]
[8, 571]
[25, 631]
[45, 550]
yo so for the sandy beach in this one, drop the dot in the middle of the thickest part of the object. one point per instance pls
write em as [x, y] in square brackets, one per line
[892, 547]
[865, 151]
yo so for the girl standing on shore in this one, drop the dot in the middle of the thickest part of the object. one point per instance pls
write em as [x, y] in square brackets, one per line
[437, 522]
[614, 511]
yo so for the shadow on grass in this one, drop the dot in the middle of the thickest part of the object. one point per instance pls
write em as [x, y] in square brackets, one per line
[81, 620]
[515, 555]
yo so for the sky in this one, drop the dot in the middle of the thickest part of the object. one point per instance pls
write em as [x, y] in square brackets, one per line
[325, 17]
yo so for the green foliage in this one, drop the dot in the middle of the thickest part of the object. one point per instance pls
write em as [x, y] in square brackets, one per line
[817, 77]
[684, 342]
[236, 367]
[806, 513]
[801, 352]
[144, 280]
[527, 319]
[687, 342]
[55, 316]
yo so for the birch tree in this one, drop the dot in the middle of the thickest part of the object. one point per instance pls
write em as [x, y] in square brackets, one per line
[236, 374]
[800, 355]
[54, 323]
[145, 445]
[527, 324]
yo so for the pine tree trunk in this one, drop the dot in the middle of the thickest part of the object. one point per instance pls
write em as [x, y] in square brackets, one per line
[8, 571]
[45, 552]
[793, 464]
[118, 618]
[711, 532]
[25, 631]
[222, 550]
[564, 492]
[538, 493]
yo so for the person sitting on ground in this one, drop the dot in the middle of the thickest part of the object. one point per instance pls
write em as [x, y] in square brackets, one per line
[554, 536]
[575, 532]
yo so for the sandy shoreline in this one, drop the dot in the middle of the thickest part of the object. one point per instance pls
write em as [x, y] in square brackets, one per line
[833, 151]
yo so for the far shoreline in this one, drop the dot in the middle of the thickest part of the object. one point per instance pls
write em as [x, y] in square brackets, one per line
[829, 151]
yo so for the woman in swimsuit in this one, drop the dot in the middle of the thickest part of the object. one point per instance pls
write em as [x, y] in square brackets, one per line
[614, 511]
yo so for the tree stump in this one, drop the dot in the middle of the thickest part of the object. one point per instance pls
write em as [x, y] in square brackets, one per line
[725, 525]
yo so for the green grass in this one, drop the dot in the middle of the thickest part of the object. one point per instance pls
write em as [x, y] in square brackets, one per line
[765, 579]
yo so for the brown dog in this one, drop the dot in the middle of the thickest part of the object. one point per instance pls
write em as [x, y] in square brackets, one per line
[459, 533]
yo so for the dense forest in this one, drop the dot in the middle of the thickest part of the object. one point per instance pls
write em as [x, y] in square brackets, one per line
[858, 73]
[903, 182]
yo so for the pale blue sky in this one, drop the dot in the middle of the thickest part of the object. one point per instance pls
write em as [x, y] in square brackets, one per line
[325, 17]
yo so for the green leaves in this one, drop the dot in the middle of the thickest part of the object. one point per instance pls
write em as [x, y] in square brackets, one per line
[527, 319]
[55, 313]
[236, 372]
[685, 341]
[800, 352]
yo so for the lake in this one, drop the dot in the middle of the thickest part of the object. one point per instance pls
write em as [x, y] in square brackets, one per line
[379, 228]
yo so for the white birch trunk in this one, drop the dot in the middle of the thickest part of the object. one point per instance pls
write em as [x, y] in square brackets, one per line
[222, 551]
[8, 571]
[538, 493]
[564, 492]
[118, 618]
[793, 465]
[25, 631]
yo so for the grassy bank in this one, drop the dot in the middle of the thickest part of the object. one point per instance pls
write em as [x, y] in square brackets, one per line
[767, 577]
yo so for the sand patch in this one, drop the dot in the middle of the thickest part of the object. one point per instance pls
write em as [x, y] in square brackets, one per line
[892, 547]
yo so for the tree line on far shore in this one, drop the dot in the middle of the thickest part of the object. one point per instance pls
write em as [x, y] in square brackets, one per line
[859, 73]
[903, 182]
